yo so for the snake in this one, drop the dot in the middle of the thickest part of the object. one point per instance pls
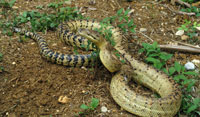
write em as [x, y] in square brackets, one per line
[166, 106]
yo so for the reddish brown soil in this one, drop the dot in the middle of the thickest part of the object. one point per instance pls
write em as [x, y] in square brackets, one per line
[31, 86]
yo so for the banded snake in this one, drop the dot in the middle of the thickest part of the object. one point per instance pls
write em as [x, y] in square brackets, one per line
[166, 106]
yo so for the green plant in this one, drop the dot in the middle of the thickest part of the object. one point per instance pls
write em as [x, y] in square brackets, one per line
[185, 26]
[88, 108]
[154, 55]
[186, 79]
[193, 9]
[188, 1]
[123, 22]
[181, 76]
[39, 21]
[191, 30]
[7, 4]
[44, 21]
[122, 19]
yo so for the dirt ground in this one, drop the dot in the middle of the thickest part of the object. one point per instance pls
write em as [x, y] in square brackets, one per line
[31, 86]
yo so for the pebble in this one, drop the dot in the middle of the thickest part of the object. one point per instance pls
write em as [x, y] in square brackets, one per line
[196, 62]
[55, 44]
[63, 99]
[164, 13]
[13, 63]
[104, 109]
[143, 29]
[198, 28]
[68, 2]
[92, 9]
[189, 66]
[180, 32]
[15, 7]
[184, 37]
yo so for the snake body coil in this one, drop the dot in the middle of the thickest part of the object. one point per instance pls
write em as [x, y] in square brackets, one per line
[166, 106]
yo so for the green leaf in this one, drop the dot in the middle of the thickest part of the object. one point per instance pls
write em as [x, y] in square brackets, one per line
[94, 103]
[164, 56]
[83, 106]
[120, 19]
[177, 78]
[153, 55]
[190, 73]
[177, 66]
[119, 12]
[1, 68]
[155, 45]
[190, 84]
[12, 2]
[1, 55]
[171, 70]
[165, 70]
[150, 59]
[132, 30]
[141, 50]
[191, 108]
[130, 23]
[25, 13]
[126, 12]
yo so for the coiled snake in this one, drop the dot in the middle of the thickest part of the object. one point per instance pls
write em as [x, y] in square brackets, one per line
[166, 106]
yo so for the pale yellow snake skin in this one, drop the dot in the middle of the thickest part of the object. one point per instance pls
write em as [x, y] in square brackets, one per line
[166, 106]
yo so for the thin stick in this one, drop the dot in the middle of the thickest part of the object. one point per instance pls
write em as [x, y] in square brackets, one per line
[187, 44]
[145, 36]
[179, 12]
[182, 3]
[180, 48]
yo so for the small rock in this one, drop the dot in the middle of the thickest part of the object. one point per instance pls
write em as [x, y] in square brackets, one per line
[180, 32]
[189, 66]
[143, 29]
[55, 44]
[196, 62]
[198, 28]
[104, 109]
[92, 9]
[13, 63]
[164, 13]
[184, 37]
[63, 99]
[15, 7]
[68, 2]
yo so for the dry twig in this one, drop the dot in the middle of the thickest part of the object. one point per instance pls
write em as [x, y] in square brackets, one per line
[180, 48]
[179, 12]
[145, 36]
[180, 2]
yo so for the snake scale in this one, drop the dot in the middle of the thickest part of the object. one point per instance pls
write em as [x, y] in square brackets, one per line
[166, 106]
